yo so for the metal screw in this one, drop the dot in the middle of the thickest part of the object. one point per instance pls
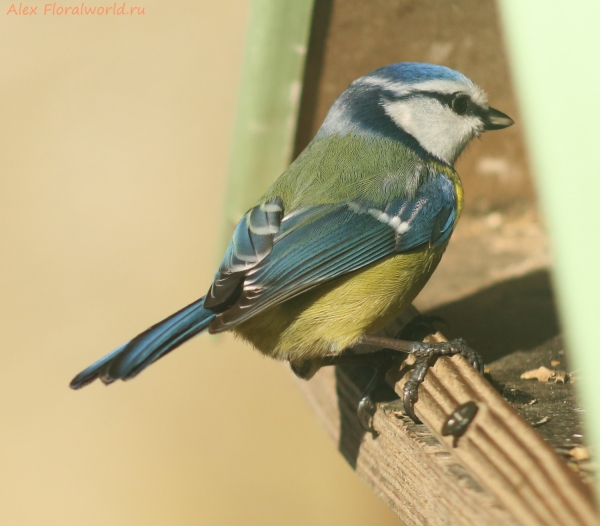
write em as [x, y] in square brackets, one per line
[456, 424]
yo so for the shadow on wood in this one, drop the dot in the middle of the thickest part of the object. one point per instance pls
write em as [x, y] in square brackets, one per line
[351, 434]
[516, 314]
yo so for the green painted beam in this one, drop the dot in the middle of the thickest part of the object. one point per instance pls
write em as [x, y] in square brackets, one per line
[554, 49]
[270, 90]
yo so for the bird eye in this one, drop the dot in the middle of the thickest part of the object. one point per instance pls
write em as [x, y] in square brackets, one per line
[460, 104]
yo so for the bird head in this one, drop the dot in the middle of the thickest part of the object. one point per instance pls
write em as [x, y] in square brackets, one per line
[429, 106]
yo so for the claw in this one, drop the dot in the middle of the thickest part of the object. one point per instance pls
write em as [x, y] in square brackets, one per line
[426, 354]
[365, 413]
[410, 395]
[367, 408]
[460, 345]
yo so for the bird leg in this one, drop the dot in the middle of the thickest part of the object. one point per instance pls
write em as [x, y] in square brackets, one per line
[381, 360]
[425, 353]
[366, 409]
[425, 356]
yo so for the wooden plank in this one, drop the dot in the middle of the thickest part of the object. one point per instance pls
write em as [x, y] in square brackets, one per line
[502, 450]
[405, 465]
[499, 472]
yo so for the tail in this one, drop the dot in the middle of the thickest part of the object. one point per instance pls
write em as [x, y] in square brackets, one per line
[134, 356]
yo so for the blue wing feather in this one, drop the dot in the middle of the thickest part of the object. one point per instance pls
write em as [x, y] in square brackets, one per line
[128, 360]
[316, 245]
[272, 259]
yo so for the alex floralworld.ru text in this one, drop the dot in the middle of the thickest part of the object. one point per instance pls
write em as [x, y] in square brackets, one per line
[82, 9]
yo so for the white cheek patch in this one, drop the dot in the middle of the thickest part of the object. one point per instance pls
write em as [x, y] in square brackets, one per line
[401, 113]
[437, 128]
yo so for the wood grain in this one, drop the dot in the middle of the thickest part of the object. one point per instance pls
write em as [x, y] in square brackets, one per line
[499, 472]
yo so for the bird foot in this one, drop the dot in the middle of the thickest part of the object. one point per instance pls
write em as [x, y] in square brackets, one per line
[382, 360]
[425, 356]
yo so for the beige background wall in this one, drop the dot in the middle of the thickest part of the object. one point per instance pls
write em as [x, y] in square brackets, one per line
[114, 134]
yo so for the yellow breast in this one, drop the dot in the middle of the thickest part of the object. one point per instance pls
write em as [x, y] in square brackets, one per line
[334, 316]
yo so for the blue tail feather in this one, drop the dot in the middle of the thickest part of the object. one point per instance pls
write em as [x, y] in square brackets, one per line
[132, 357]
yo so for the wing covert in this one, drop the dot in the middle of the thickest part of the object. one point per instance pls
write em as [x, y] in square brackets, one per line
[252, 241]
[314, 245]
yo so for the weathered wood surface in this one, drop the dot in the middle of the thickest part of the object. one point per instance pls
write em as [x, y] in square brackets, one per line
[502, 450]
[405, 465]
[499, 472]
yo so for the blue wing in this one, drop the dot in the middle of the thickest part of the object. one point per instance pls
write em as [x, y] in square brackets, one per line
[268, 263]
[273, 258]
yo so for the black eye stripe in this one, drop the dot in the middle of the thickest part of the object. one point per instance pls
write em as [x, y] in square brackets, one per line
[445, 98]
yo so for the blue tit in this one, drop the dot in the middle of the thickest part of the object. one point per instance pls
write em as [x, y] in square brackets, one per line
[346, 237]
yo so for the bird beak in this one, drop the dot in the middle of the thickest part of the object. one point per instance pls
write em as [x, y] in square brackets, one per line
[496, 120]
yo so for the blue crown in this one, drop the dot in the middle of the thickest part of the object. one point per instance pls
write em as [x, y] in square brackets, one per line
[413, 72]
